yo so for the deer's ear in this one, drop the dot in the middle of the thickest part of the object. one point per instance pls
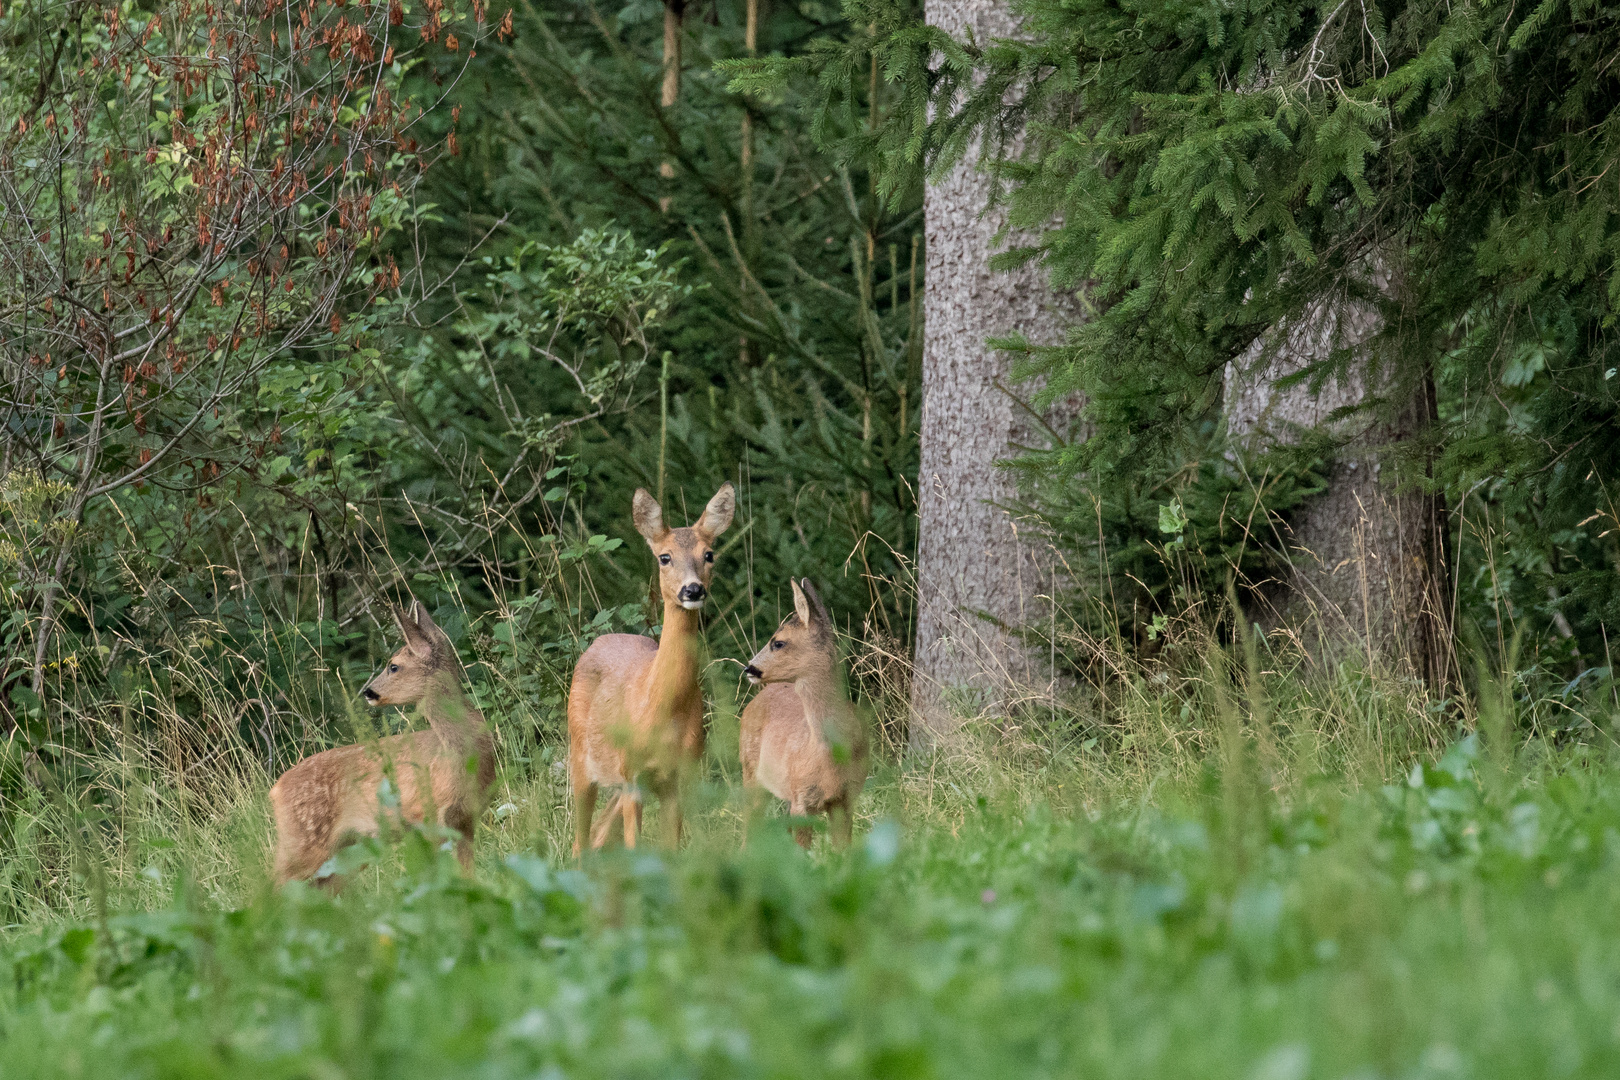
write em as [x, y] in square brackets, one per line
[415, 639]
[816, 606]
[717, 515]
[648, 516]
[801, 605]
[424, 621]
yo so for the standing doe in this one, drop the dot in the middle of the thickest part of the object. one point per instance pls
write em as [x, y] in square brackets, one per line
[331, 798]
[635, 708]
[801, 740]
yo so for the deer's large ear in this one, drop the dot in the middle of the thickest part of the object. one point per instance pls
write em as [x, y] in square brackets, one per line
[816, 606]
[717, 515]
[801, 605]
[425, 623]
[415, 639]
[648, 516]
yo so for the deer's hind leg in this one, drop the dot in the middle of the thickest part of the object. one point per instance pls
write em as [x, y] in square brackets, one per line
[305, 826]
[456, 817]
[293, 851]
[754, 800]
[630, 807]
[584, 810]
[803, 834]
[297, 859]
[583, 787]
[669, 809]
[841, 821]
[464, 854]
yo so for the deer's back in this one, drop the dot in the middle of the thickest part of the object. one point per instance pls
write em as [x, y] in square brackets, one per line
[335, 791]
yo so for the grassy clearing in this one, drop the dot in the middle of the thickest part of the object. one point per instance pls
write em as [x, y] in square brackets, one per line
[1285, 884]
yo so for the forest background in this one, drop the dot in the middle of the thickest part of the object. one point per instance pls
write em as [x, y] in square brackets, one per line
[1236, 631]
[572, 250]
[534, 324]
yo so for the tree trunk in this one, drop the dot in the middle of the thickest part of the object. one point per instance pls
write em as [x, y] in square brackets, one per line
[981, 574]
[1367, 574]
[670, 91]
[750, 225]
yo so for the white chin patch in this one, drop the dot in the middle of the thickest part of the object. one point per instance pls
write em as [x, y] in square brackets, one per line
[691, 605]
[756, 680]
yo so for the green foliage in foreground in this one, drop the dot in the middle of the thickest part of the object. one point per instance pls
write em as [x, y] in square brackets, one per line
[1457, 924]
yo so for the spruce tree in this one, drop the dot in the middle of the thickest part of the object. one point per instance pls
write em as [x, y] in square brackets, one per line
[1212, 175]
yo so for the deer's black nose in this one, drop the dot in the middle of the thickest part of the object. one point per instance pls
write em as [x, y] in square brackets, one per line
[369, 694]
[754, 674]
[692, 593]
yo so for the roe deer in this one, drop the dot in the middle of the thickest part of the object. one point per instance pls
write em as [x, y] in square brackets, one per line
[635, 707]
[330, 798]
[801, 740]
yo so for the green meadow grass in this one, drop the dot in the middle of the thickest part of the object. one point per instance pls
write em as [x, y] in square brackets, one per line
[1249, 907]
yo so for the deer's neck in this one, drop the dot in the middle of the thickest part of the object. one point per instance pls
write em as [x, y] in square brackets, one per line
[447, 706]
[674, 673]
[824, 701]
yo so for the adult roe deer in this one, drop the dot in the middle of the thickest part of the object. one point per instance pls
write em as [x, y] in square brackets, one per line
[801, 740]
[635, 708]
[330, 798]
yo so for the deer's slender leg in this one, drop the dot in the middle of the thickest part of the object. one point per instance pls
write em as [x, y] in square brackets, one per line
[669, 809]
[754, 798]
[631, 808]
[584, 808]
[802, 834]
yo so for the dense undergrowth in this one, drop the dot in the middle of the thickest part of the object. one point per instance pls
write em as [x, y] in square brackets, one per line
[1276, 875]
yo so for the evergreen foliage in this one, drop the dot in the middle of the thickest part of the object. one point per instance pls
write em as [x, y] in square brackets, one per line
[790, 364]
[1207, 171]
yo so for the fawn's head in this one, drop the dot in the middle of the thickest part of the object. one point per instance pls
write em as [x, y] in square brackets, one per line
[685, 556]
[425, 658]
[803, 645]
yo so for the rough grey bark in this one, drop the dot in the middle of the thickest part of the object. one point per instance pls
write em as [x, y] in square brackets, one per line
[1367, 556]
[980, 572]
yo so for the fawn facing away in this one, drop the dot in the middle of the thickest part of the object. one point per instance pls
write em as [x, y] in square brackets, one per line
[330, 799]
[635, 709]
[801, 740]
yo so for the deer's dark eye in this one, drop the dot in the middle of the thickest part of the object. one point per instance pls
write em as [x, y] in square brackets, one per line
[778, 643]
[708, 556]
[393, 669]
[663, 560]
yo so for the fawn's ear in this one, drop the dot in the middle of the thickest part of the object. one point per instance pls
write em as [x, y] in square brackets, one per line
[717, 515]
[648, 516]
[801, 604]
[425, 623]
[416, 639]
[816, 606]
